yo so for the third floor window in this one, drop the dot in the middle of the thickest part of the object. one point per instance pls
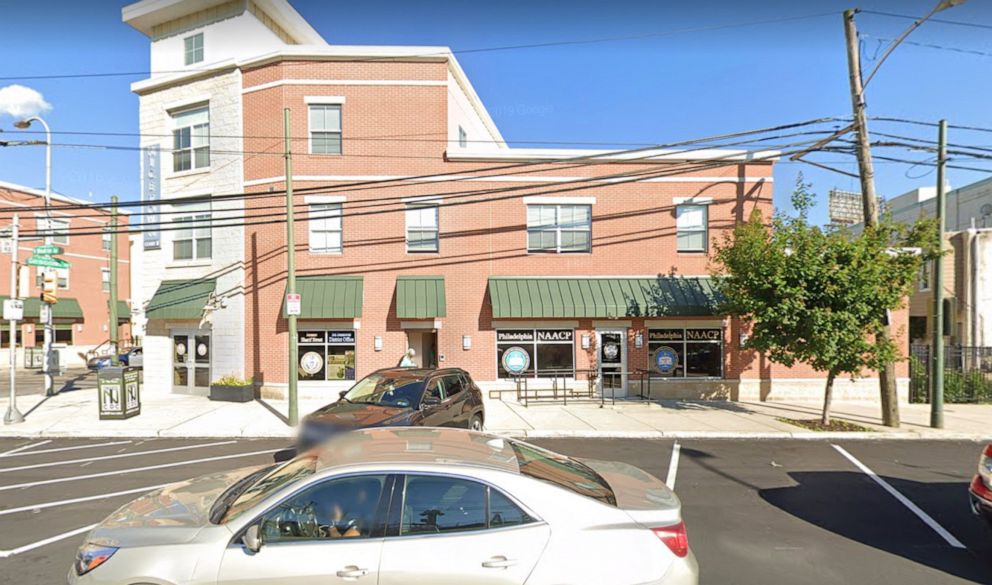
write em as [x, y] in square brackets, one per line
[193, 49]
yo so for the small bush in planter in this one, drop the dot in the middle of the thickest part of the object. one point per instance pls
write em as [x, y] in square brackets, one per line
[230, 388]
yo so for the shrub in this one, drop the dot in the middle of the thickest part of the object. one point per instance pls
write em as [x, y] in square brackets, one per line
[231, 380]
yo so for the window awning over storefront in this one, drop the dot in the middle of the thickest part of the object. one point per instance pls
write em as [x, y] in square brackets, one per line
[66, 309]
[123, 311]
[535, 297]
[328, 297]
[420, 297]
[180, 299]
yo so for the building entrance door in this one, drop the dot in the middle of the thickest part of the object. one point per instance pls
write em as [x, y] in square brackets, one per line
[191, 362]
[424, 342]
[611, 361]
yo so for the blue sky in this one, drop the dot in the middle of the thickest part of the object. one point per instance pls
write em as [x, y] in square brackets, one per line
[652, 90]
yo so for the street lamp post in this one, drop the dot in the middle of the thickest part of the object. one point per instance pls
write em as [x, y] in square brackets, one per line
[47, 347]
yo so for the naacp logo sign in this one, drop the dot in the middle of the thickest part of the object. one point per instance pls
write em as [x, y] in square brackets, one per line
[516, 360]
[665, 360]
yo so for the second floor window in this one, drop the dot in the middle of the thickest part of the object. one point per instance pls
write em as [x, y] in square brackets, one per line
[105, 279]
[57, 229]
[193, 49]
[194, 240]
[325, 129]
[191, 140]
[559, 228]
[421, 228]
[325, 228]
[691, 225]
[106, 240]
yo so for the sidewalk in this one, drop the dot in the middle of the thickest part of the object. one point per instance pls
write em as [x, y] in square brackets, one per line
[74, 414]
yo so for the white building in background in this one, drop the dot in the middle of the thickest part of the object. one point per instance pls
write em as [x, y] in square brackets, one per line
[193, 328]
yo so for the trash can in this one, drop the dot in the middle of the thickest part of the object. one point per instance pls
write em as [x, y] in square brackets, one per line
[120, 392]
[34, 358]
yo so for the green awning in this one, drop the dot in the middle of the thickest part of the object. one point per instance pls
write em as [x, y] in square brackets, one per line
[123, 311]
[180, 299]
[66, 309]
[663, 296]
[420, 297]
[328, 297]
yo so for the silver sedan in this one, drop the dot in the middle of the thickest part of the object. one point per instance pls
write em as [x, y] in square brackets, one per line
[401, 506]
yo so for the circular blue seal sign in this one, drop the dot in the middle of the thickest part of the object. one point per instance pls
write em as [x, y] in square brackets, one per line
[666, 360]
[516, 360]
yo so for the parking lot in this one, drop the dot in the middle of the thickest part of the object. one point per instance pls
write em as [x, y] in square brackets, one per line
[758, 511]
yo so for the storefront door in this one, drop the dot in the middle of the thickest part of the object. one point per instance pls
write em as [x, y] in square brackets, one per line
[611, 361]
[191, 362]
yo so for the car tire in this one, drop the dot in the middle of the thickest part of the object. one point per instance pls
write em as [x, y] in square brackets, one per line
[475, 423]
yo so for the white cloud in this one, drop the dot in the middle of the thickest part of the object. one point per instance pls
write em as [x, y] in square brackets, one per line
[22, 102]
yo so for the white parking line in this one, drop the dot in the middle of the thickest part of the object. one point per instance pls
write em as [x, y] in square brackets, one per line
[73, 448]
[36, 507]
[133, 470]
[23, 448]
[673, 466]
[22, 549]
[947, 536]
[117, 456]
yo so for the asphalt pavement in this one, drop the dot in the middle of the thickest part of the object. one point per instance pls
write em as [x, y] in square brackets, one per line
[758, 512]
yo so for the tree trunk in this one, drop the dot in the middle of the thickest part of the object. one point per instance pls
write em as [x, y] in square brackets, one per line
[887, 385]
[828, 396]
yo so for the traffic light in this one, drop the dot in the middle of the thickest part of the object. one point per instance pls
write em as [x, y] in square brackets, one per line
[49, 286]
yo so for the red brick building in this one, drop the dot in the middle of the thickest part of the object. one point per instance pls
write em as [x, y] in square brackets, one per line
[82, 315]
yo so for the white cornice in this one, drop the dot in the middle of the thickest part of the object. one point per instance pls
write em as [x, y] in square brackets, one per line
[501, 179]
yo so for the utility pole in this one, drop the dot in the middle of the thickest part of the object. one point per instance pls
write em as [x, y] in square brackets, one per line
[113, 282]
[886, 376]
[13, 415]
[937, 361]
[294, 414]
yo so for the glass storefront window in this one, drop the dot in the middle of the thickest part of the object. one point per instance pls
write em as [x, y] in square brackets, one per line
[686, 352]
[326, 354]
[535, 352]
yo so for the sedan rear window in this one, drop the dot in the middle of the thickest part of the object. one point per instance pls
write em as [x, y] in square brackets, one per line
[562, 471]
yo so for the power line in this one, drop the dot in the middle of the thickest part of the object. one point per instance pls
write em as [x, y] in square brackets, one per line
[457, 51]
[940, 20]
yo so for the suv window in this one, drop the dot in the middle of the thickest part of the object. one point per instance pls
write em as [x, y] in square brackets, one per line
[562, 471]
[339, 508]
[435, 388]
[453, 385]
[435, 505]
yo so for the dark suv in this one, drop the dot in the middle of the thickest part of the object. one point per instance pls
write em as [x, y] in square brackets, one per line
[399, 397]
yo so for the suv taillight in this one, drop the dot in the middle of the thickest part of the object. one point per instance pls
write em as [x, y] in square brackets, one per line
[675, 538]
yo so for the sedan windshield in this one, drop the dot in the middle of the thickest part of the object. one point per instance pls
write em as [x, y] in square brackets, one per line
[292, 470]
[401, 389]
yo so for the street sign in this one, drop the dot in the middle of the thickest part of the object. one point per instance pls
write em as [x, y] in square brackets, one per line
[43, 313]
[47, 250]
[13, 310]
[47, 262]
[293, 304]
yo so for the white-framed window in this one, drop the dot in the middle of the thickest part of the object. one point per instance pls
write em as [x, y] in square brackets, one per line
[422, 227]
[57, 229]
[194, 241]
[191, 139]
[924, 277]
[193, 46]
[325, 128]
[686, 352]
[325, 228]
[462, 137]
[106, 239]
[105, 279]
[559, 228]
[691, 225]
[61, 273]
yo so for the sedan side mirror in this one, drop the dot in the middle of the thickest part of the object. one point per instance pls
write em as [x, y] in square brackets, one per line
[252, 538]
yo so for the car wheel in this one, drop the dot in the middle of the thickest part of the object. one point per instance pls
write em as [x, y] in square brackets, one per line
[475, 423]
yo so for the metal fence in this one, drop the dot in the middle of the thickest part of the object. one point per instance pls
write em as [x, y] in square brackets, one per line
[967, 374]
[579, 385]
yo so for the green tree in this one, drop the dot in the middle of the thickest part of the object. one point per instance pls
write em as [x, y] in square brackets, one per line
[815, 295]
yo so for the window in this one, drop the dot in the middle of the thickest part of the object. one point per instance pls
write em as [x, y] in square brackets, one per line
[334, 509]
[535, 353]
[436, 505]
[559, 228]
[691, 223]
[326, 354]
[194, 240]
[106, 239]
[62, 273]
[5, 336]
[325, 129]
[325, 228]
[462, 137]
[686, 353]
[61, 333]
[421, 228]
[924, 277]
[194, 48]
[191, 140]
[57, 229]
[503, 512]
[562, 471]
[105, 279]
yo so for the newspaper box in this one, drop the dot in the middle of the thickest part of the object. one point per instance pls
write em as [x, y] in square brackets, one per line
[120, 392]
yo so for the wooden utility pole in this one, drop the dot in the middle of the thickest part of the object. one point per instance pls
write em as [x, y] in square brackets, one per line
[886, 376]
